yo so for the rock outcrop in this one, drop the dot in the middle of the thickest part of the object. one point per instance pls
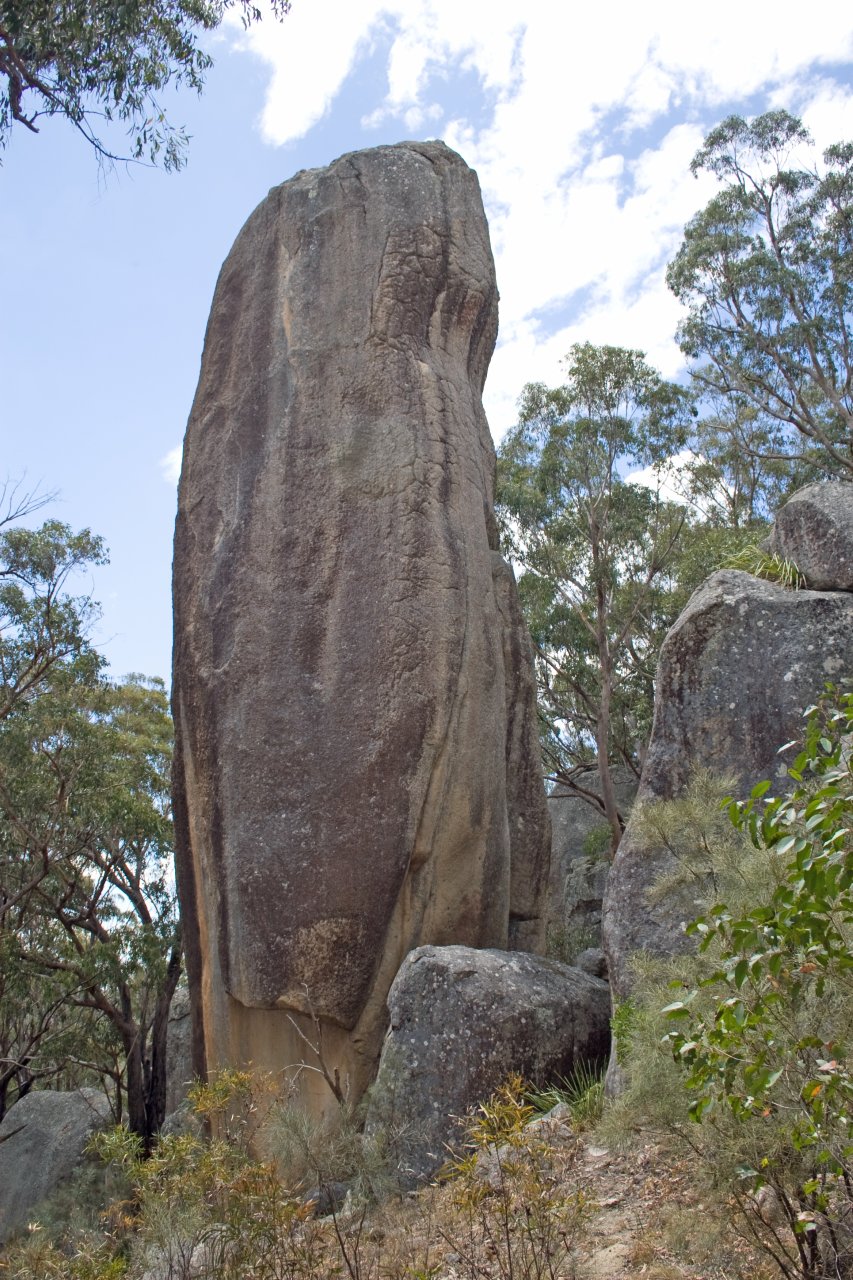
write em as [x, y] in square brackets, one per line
[734, 676]
[580, 863]
[42, 1141]
[461, 1021]
[815, 530]
[356, 766]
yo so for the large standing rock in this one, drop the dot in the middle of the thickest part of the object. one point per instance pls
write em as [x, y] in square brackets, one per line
[734, 676]
[42, 1141]
[356, 768]
[815, 530]
[461, 1022]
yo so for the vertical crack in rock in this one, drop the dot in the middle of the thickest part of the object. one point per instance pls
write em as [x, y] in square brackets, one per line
[357, 770]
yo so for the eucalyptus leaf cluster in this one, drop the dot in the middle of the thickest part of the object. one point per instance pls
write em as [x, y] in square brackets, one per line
[97, 64]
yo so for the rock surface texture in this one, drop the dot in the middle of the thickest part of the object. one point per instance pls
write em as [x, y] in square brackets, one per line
[357, 768]
[461, 1021]
[41, 1144]
[815, 530]
[580, 863]
[179, 1057]
[735, 674]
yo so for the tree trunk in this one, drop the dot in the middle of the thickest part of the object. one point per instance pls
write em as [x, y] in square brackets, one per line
[602, 724]
[137, 1119]
[605, 776]
[157, 1066]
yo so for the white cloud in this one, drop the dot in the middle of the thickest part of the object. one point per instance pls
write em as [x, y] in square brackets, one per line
[170, 464]
[582, 132]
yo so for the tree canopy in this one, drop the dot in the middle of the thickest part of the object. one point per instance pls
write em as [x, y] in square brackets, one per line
[95, 63]
[766, 270]
[594, 551]
[89, 936]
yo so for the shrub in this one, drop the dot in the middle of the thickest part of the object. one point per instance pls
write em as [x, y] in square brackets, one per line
[763, 1038]
[510, 1193]
[582, 1092]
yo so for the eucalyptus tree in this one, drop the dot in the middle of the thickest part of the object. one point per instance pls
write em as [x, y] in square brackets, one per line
[593, 552]
[89, 934]
[766, 272]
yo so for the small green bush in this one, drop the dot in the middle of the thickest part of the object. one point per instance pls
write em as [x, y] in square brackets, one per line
[582, 1092]
[765, 564]
[598, 841]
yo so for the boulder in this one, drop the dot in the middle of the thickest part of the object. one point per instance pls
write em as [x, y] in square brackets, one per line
[42, 1141]
[356, 753]
[815, 529]
[461, 1022]
[734, 676]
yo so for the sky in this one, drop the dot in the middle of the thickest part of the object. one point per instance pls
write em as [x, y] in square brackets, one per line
[581, 122]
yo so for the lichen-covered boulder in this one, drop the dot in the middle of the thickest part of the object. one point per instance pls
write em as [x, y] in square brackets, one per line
[356, 757]
[461, 1022]
[734, 676]
[42, 1142]
[815, 529]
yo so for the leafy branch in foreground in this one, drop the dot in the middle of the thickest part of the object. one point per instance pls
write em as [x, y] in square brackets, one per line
[95, 62]
[765, 1038]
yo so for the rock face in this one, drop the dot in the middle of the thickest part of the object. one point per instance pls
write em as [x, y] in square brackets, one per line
[357, 767]
[41, 1144]
[734, 676]
[815, 530]
[461, 1021]
[179, 1058]
[580, 863]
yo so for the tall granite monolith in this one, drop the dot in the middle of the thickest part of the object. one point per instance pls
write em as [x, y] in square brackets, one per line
[356, 768]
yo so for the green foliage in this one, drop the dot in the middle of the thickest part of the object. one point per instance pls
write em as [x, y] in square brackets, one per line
[70, 1234]
[765, 272]
[764, 1039]
[89, 936]
[41, 624]
[566, 939]
[207, 1207]
[94, 62]
[582, 1092]
[596, 842]
[622, 1023]
[594, 552]
[736, 474]
[41, 1258]
[765, 564]
[707, 856]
